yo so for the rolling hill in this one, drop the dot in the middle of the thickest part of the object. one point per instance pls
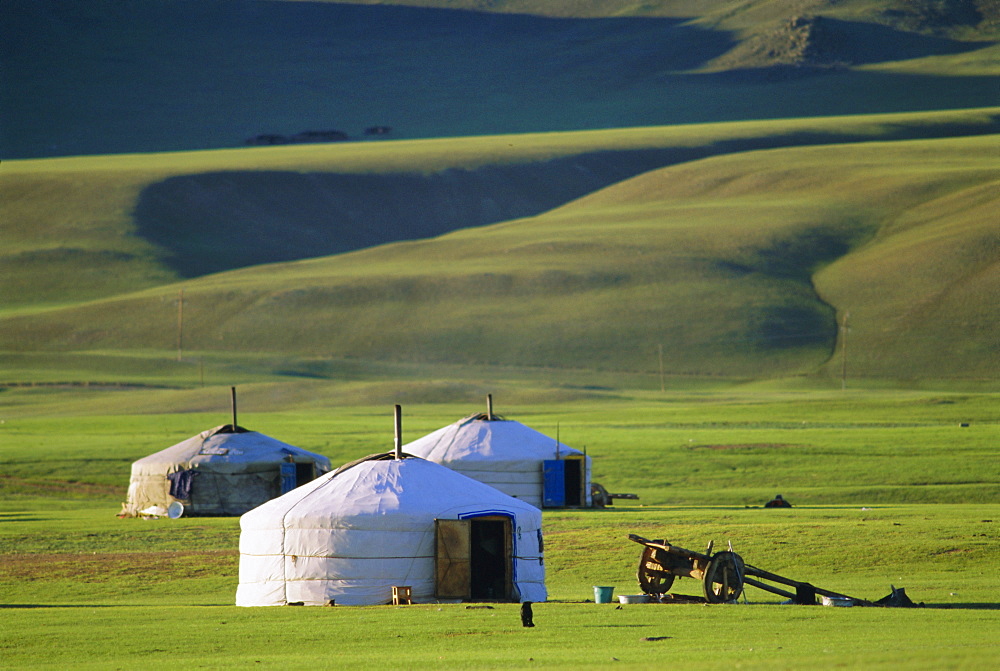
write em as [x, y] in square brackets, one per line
[569, 190]
[101, 76]
[738, 266]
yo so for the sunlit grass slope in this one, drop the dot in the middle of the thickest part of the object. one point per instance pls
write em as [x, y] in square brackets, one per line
[73, 230]
[735, 266]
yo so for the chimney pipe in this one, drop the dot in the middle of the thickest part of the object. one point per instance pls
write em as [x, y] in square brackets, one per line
[233, 391]
[489, 407]
[399, 431]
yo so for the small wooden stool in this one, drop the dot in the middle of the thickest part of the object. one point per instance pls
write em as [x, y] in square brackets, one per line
[401, 595]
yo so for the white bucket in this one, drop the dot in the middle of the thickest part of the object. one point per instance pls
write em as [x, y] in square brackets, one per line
[633, 598]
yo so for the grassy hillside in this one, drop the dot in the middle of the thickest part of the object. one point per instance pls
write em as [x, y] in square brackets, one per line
[738, 266]
[619, 255]
[77, 229]
[99, 76]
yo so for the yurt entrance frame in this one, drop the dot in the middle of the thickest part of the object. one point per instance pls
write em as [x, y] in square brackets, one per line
[295, 474]
[464, 565]
[563, 482]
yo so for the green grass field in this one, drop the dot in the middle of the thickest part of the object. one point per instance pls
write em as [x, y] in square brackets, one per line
[889, 489]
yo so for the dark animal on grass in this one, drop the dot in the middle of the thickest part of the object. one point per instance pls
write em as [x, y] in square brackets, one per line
[312, 136]
[778, 502]
[267, 139]
[527, 615]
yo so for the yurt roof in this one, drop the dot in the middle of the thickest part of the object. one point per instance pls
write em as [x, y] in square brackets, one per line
[387, 494]
[228, 443]
[488, 438]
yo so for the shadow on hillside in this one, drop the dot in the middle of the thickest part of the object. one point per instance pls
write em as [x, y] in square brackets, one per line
[173, 75]
[192, 75]
[212, 222]
[858, 43]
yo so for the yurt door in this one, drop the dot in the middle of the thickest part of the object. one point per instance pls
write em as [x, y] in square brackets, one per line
[562, 482]
[296, 474]
[288, 479]
[473, 559]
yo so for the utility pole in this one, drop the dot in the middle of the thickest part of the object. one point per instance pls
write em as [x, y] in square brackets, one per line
[180, 324]
[843, 352]
[662, 388]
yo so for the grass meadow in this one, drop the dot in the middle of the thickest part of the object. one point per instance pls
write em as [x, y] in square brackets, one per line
[889, 488]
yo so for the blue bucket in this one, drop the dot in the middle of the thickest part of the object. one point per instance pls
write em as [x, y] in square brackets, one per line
[603, 594]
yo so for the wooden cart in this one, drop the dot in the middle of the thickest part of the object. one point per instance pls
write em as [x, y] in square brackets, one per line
[722, 575]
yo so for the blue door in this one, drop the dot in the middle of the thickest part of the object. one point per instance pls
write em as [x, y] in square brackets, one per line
[554, 483]
[288, 479]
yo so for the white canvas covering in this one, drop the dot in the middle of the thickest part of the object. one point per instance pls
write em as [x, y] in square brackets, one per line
[351, 535]
[499, 452]
[233, 472]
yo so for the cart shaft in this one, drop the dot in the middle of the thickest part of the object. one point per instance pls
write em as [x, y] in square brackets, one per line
[774, 577]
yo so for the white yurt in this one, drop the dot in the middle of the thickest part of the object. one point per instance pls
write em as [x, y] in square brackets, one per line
[512, 457]
[224, 471]
[390, 520]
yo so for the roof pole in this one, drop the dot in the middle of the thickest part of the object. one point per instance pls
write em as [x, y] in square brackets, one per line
[399, 431]
[489, 407]
[233, 390]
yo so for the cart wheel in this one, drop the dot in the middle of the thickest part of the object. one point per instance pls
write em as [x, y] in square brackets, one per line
[723, 581]
[653, 579]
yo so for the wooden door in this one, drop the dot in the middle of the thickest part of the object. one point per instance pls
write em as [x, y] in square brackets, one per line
[453, 559]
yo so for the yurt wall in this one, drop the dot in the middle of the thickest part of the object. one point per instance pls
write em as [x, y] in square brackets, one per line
[350, 536]
[516, 459]
[224, 471]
